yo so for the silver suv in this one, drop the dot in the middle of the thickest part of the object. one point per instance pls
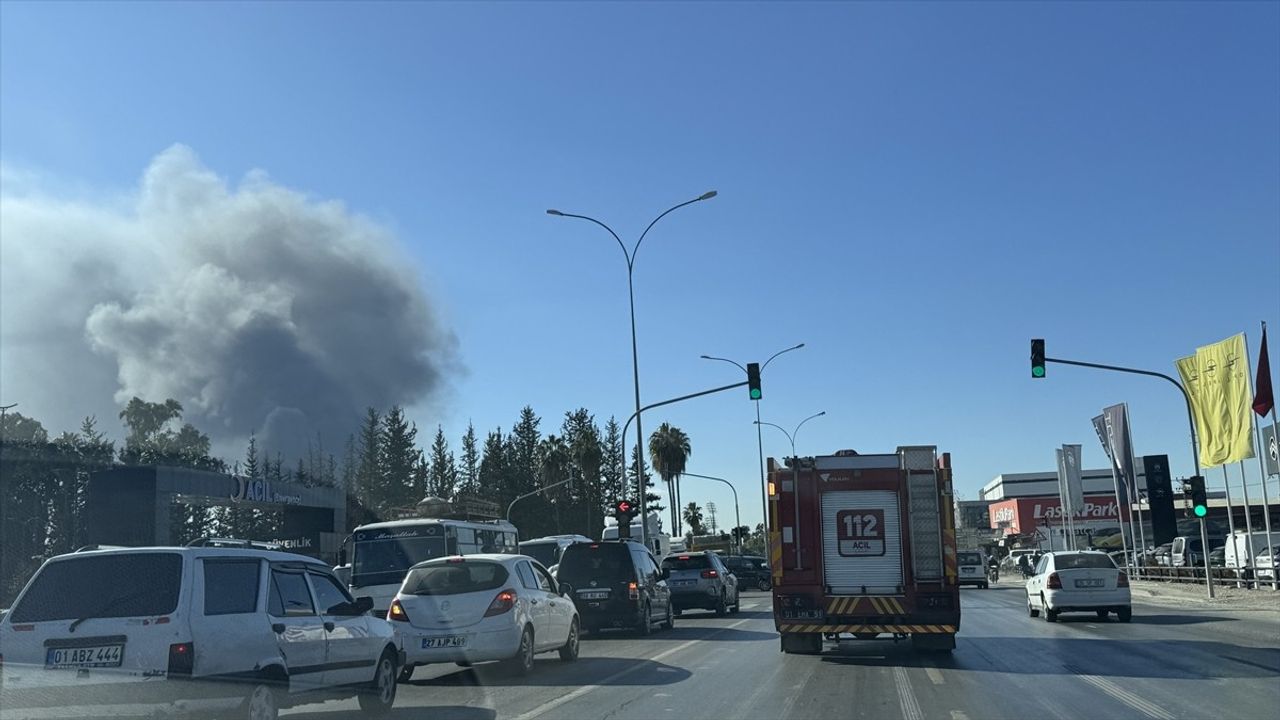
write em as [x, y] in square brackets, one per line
[701, 580]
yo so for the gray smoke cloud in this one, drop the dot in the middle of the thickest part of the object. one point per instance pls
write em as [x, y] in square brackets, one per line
[255, 306]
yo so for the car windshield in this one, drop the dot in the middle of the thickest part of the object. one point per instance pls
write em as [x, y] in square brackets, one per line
[1073, 561]
[546, 552]
[103, 586]
[455, 578]
[341, 280]
[686, 562]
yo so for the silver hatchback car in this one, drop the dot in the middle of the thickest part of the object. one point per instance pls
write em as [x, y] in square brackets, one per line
[701, 580]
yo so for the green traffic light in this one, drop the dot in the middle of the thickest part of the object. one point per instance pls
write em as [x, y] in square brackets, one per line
[1037, 371]
[755, 394]
[1201, 511]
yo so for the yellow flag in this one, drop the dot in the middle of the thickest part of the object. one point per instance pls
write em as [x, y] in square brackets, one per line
[1217, 379]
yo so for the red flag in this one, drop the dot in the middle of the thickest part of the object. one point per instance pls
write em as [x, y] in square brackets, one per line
[1263, 400]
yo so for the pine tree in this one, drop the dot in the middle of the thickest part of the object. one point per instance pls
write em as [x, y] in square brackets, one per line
[443, 473]
[652, 500]
[368, 468]
[492, 477]
[524, 440]
[251, 467]
[421, 477]
[398, 456]
[469, 465]
[611, 470]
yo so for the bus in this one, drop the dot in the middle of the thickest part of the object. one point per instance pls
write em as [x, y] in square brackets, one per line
[382, 552]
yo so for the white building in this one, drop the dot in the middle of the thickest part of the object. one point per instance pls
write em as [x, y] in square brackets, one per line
[1045, 484]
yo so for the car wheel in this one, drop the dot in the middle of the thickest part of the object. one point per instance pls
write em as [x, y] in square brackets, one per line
[721, 608]
[380, 695]
[569, 651]
[986, 586]
[737, 603]
[262, 703]
[1102, 614]
[670, 621]
[1124, 614]
[406, 672]
[763, 584]
[522, 663]
[646, 621]
[1050, 615]
[1031, 609]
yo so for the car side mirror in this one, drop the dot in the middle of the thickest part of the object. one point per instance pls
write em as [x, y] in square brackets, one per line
[566, 590]
[362, 605]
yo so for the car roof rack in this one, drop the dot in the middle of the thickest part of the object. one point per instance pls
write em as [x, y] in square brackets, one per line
[234, 543]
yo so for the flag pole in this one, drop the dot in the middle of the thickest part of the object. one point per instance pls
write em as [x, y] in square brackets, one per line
[1115, 485]
[1244, 481]
[1257, 434]
[1231, 523]
[1131, 482]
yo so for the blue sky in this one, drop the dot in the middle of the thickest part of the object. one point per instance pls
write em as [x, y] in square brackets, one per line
[912, 190]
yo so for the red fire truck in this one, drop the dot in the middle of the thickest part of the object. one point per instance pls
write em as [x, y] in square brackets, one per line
[864, 545]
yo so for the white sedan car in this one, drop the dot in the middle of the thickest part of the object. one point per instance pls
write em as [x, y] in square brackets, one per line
[1083, 581]
[479, 608]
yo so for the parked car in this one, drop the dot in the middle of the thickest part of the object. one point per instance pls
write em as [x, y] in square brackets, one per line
[480, 608]
[701, 580]
[616, 584]
[751, 570]
[1268, 563]
[1218, 557]
[263, 629]
[972, 569]
[1163, 555]
[1078, 581]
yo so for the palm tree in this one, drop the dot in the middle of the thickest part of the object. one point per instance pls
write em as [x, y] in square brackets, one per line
[693, 516]
[554, 458]
[669, 452]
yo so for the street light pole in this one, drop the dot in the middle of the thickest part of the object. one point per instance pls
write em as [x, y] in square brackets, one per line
[635, 354]
[764, 488]
[3, 411]
[737, 515]
[795, 475]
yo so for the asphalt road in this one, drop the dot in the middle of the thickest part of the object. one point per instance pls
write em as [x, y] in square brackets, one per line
[1172, 661]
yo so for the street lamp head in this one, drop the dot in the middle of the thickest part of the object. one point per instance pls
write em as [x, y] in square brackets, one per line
[707, 195]
[555, 212]
[824, 412]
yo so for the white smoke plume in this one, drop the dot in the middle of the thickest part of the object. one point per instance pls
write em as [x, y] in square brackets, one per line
[255, 306]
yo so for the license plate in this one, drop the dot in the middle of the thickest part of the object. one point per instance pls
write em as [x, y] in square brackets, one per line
[684, 583]
[594, 594]
[1088, 583]
[801, 614]
[84, 657]
[452, 641]
[967, 571]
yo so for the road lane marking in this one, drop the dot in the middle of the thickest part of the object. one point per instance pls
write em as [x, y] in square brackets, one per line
[958, 715]
[1128, 698]
[906, 698]
[550, 705]
[934, 675]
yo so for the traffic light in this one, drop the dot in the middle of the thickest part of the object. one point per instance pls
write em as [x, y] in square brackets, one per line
[753, 381]
[1037, 358]
[1199, 503]
[623, 511]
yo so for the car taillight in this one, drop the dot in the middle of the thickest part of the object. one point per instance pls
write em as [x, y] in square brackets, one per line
[710, 574]
[633, 591]
[502, 602]
[397, 612]
[1055, 582]
[181, 659]
[1122, 580]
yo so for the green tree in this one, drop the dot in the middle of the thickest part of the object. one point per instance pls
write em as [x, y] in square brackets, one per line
[669, 451]
[693, 516]
[18, 428]
[469, 462]
[586, 455]
[652, 500]
[611, 470]
[554, 462]
[492, 477]
[398, 453]
[421, 476]
[444, 474]
[524, 441]
[369, 502]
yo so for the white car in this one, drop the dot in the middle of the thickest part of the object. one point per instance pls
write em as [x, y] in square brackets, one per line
[479, 608]
[972, 568]
[1083, 581]
[164, 629]
[1267, 563]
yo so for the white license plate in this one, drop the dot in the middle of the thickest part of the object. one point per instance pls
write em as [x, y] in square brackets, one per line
[452, 641]
[594, 595]
[1088, 583]
[84, 657]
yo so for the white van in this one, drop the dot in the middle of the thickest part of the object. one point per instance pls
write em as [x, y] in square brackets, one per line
[146, 630]
[1236, 551]
[547, 550]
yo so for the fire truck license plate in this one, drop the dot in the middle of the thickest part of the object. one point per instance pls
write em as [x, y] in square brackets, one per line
[802, 615]
[860, 532]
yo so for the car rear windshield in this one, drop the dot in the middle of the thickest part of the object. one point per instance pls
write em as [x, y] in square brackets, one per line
[1082, 560]
[602, 562]
[686, 562]
[103, 586]
[455, 578]
[969, 558]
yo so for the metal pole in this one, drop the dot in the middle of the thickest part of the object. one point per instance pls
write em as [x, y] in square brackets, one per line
[1262, 467]
[1195, 449]
[1231, 522]
[764, 485]
[1248, 522]
[737, 516]
[1142, 534]
[531, 494]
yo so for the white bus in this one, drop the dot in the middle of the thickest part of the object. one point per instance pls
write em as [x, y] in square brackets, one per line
[383, 552]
